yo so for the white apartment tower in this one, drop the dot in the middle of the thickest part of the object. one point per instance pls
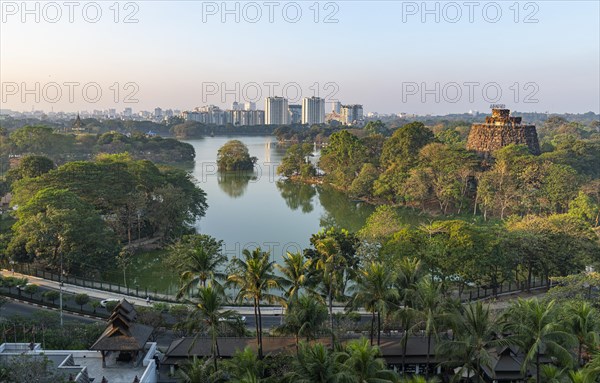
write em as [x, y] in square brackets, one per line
[313, 110]
[276, 111]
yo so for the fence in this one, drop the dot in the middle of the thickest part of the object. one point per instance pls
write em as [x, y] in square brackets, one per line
[468, 295]
[153, 294]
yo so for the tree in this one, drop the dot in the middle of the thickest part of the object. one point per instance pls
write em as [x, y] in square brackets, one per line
[209, 310]
[254, 277]
[296, 271]
[124, 260]
[198, 259]
[362, 186]
[330, 264]
[305, 318]
[582, 320]
[449, 171]
[196, 371]
[295, 160]
[342, 159]
[233, 156]
[364, 363]
[245, 367]
[315, 364]
[381, 225]
[537, 331]
[51, 295]
[431, 311]
[30, 167]
[374, 292]
[409, 273]
[404, 145]
[95, 304]
[81, 299]
[474, 339]
[29, 368]
[31, 289]
[57, 224]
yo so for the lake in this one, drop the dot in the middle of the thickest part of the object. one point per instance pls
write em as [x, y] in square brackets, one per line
[257, 209]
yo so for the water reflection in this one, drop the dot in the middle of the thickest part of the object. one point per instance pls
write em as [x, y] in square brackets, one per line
[297, 195]
[340, 211]
[234, 184]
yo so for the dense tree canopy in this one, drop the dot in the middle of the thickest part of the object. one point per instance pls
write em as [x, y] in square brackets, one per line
[234, 155]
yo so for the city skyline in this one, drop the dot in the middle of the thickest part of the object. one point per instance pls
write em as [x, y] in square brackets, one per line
[390, 57]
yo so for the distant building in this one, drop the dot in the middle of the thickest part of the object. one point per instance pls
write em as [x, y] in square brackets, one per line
[78, 125]
[249, 106]
[276, 111]
[158, 113]
[295, 113]
[336, 107]
[351, 114]
[313, 110]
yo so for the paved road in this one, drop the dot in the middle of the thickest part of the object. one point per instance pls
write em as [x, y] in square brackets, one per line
[12, 308]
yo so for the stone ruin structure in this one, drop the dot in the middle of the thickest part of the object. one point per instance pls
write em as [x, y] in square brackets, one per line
[501, 130]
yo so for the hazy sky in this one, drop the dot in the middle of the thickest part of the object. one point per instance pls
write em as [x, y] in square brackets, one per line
[542, 56]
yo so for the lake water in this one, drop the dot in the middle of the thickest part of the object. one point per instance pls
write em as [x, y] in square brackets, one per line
[256, 209]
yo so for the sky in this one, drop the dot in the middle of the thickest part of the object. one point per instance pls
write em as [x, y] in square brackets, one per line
[390, 56]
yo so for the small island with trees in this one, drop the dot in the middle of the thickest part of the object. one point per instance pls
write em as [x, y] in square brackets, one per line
[234, 156]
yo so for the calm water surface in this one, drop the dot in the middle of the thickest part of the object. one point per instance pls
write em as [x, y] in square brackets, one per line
[247, 210]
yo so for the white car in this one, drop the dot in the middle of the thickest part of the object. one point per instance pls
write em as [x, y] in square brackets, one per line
[104, 302]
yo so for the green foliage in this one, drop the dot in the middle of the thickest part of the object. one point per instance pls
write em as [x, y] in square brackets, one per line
[56, 223]
[81, 299]
[30, 167]
[362, 186]
[234, 156]
[295, 162]
[381, 225]
[197, 259]
[305, 318]
[29, 368]
[51, 295]
[342, 159]
[135, 197]
[31, 289]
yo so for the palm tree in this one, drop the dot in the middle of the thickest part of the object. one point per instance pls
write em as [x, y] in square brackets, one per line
[408, 275]
[582, 321]
[305, 318]
[364, 362]
[536, 330]
[255, 279]
[330, 263]
[552, 374]
[196, 371]
[374, 292]
[430, 311]
[474, 338]
[197, 259]
[315, 364]
[209, 310]
[296, 274]
[244, 366]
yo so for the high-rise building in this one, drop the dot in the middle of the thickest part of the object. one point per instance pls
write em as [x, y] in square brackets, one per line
[276, 111]
[336, 106]
[313, 110]
[351, 114]
[295, 113]
[249, 105]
